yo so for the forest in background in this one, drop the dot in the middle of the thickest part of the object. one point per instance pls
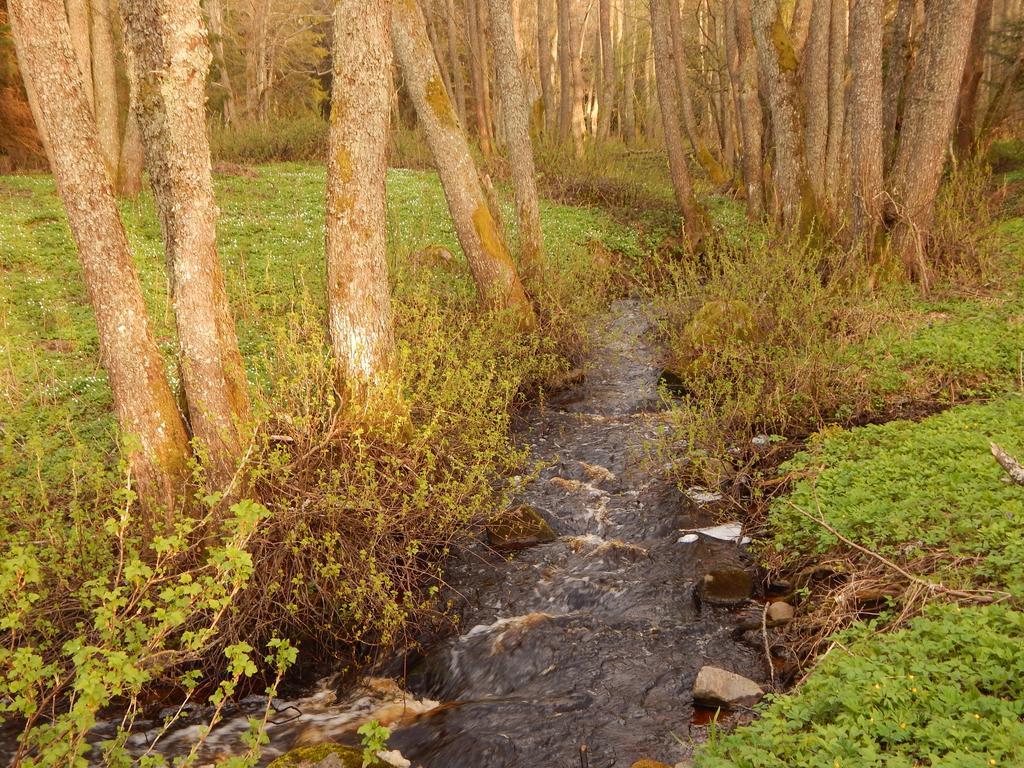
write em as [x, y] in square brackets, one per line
[820, 199]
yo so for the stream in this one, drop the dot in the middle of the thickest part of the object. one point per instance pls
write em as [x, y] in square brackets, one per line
[581, 651]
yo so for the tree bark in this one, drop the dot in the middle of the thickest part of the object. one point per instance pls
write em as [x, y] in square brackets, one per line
[604, 116]
[458, 76]
[897, 66]
[478, 71]
[777, 67]
[751, 117]
[481, 239]
[970, 83]
[814, 71]
[927, 122]
[867, 22]
[629, 34]
[547, 87]
[105, 81]
[216, 13]
[358, 299]
[155, 440]
[129, 177]
[78, 21]
[516, 117]
[170, 59]
[693, 218]
[836, 159]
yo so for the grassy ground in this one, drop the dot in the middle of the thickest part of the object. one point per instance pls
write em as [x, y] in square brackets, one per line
[905, 540]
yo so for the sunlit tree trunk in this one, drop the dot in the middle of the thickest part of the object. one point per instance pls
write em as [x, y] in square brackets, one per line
[155, 440]
[750, 109]
[867, 22]
[693, 217]
[78, 21]
[358, 302]
[129, 177]
[170, 59]
[777, 68]
[478, 71]
[970, 83]
[516, 117]
[927, 122]
[547, 87]
[480, 237]
[897, 65]
[604, 122]
[629, 45]
[105, 81]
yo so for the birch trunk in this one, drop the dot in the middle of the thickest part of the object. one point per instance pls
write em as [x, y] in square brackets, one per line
[358, 300]
[170, 59]
[515, 112]
[481, 239]
[692, 215]
[867, 22]
[927, 122]
[155, 440]
[104, 75]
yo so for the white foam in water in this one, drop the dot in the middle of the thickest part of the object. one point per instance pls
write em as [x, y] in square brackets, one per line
[724, 532]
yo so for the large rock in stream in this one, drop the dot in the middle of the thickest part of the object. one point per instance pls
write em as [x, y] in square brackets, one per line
[716, 687]
[518, 528]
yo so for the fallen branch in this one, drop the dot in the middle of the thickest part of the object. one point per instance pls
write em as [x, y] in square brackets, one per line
[1013, 467]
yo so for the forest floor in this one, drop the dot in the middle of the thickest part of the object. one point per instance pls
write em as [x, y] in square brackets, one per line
[902, 541]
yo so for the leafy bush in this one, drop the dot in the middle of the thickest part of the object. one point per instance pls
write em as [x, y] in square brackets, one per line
[948, 690]
[284, 140]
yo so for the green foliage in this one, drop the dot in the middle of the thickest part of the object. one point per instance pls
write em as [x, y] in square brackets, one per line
[374, 738]
[946, 691]
[910, 489]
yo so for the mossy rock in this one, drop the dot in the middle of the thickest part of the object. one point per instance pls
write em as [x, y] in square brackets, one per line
[519, 527]
[307, 757]
[645, 763]
[717, 326]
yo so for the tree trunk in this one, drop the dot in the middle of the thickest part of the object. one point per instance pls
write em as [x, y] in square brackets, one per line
[814, 71]
[105, 80]
[478, 76]
[129, 177]
[216, 13]
[604, 119]
[836, 160]
[628, 115]
[547, 87]
[800, 27]
[170, 59]
[971, 81]
[78, 21]
[481, 239]
[750, 109]
[927, 122]
[358, 300]
[458, 76]
[155, 440]
[516, 117]
[777, 67]
[867, 22]
[897, 66]
[693, 218]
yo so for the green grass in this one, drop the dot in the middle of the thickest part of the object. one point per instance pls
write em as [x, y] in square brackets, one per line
[54, 399]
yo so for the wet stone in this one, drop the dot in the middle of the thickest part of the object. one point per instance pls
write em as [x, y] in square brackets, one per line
[720, 688]
[518, 528]
[780, 612]
[725, 587]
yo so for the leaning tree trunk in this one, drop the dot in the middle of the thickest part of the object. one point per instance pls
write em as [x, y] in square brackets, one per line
[693, 217]
[170, 59]
[867, 22]
[358, 302]
[154, 436]
[750, 113]
[516, 116]
[481, 239]
[970, 83]
[927, 123]
[777, 67]
[104, 75]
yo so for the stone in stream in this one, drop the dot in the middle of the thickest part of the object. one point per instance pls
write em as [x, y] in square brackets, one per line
[321, 756]
[780, 612]
[717, 687]
[518, 528]
[726, 586]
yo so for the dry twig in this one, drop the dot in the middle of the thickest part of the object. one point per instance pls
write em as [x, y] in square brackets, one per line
[1013, 467]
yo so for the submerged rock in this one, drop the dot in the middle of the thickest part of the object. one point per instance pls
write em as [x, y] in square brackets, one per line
[717, 687]
[321, 756]
[725, 587]
[518, 528]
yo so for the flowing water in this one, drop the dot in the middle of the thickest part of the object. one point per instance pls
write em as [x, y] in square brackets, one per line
[580, 651]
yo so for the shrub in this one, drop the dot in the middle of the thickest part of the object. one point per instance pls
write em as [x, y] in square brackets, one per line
[280, 140]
